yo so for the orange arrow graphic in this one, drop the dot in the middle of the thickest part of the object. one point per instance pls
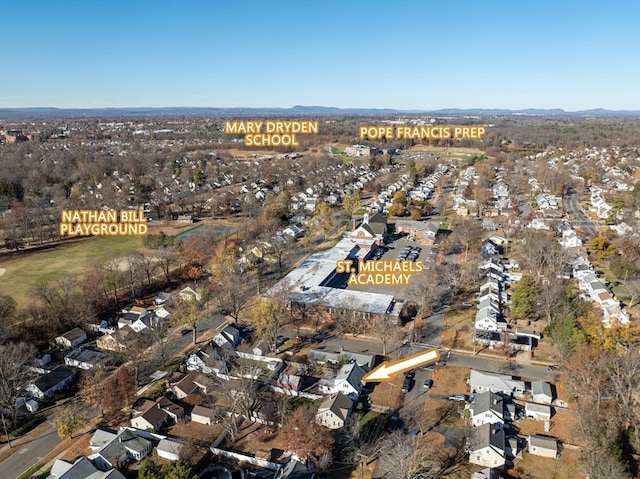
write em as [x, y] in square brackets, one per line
[389, 369]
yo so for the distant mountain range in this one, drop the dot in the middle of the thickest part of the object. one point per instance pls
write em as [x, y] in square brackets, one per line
[16, 114]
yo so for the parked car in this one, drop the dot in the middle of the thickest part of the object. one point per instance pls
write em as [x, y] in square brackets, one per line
[300, 338]
[281, 340]
[407, 385]
[315, 340]
[427, 383]
[457, 397]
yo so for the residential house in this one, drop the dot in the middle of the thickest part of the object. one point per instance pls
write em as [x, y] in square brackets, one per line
[261, 349]
[203, 415]
[481, 381]
[294, 470]
[163, 298]
[539, 412]
[488, 320]
[136, 318]
[294, 231]
[492, 408]
[189, 294]
[570, 239]
[117, 341]
[542, 392]
[189, 384]
[538, 224]
[80, 469]
[487, 446]
[229, 337]
[113, 449]
[168, 449]
[323, 357]
[543, 446]
[153, 415]
[72, 338]
[208, 360]
[334, 411]
[486, 473]
[87, 358]
[290, 382]
[52, 382]
[348, 381]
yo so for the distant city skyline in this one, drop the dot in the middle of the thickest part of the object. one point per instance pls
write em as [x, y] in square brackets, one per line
[404, 55]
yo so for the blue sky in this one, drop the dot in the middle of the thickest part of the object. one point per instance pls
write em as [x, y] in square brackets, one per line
[351, 54]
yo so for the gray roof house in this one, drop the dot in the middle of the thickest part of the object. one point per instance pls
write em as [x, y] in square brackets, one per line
[52, 382]
[334, 411]
[487, 446]
[543, 446]
[82, 468]
[348, 381]
[486, 473]
[481, 381]
[364, 360]
[114, 449]
[539, 412]
[493, 408]
[72, 338]
[541, 392]
[229, 337]
[86, 357]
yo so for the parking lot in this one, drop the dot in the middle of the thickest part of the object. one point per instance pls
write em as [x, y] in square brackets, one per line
[401, 249]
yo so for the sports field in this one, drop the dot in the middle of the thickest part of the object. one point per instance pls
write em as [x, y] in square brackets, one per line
[448, 152]
[25, 269]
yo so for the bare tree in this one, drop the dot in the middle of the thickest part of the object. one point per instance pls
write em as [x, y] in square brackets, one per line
[13, 376]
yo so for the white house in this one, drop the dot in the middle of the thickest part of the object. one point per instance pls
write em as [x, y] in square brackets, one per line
[348, 381]
[189, 294]
[112, 449]
[539, 412]
[81, 468]
[487, 446]
[202, 415]
[541, 392]
[492, 408]
[334, 411]
[543, 446]
[481, 381]
[52, 382]
[229, 337]
[72, 338]
[169, 449]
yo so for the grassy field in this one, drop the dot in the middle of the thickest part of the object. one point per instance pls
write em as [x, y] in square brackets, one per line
[447, 152]
[24, 270]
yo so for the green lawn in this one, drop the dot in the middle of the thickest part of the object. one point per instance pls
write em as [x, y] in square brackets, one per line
[24, 270]
[448, 152]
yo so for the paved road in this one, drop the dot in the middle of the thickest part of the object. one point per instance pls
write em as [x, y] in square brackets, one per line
[512, 368]
[578, 218]
[29, 454]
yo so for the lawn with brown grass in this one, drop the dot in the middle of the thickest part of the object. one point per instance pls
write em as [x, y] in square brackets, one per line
[388, 394]
[27, 268]
[449, 380]
[530, 466]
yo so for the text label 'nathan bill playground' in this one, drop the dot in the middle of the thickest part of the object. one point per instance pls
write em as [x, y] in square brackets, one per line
[379, 273]
[271, 133]
[103, 223]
